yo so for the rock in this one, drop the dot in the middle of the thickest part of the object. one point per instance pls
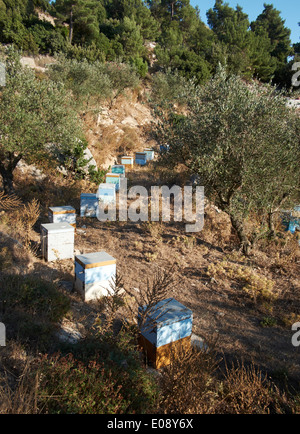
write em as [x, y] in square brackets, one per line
[80, 231]
[198, 342]
[30, 170]
[69, 333]
[130, 121]
[91, 161]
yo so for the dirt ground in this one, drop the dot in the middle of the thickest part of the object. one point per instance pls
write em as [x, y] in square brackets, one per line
[222, 311]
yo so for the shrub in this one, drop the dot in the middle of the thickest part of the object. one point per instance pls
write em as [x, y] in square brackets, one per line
[31, 307]
[257, 287]
[69, 386]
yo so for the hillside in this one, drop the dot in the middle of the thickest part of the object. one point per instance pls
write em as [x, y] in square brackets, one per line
[243, 307]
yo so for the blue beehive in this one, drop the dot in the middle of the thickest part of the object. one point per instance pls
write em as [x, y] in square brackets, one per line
[141, 158]
[94, 274]
[168, 321]
[88, 205]
[118, 168]
[294, 224]
[166, 329]
[150, 154]
[164, 148]
[291, 219]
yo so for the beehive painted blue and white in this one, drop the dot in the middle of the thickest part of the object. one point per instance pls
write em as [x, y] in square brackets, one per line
[113, 178]
[57, 241]
[141, 158]
[88, 205]
[149, 153]
[168, 321]
[94, 274]
[106, 193]
[164, 148]
[62, 214]
[118, 168]
[127, 161]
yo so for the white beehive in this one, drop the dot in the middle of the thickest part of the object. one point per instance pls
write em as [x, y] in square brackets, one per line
[106, 193]
[88, 205]
[62, 214]
[150, 154]
[113, 178]
[57, 241]
[94, 274]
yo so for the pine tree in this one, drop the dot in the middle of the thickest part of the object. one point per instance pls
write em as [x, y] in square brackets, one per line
[279, 35]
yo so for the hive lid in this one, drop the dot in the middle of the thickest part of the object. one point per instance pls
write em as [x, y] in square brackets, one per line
[127, 157]
[107, 186]
[113, 175]
[93, 260]
[91, 195]
[62, 209]
[57, 227]
[168, 311]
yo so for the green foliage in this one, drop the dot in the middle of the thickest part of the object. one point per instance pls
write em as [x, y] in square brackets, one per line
[118, 30]
[240, 140]
[70, 387]
[97, 176]
[168, 87]
[271, 22]
[92, 83]
[31, 307]
[37, 119]
[140, 65]
[104, 375]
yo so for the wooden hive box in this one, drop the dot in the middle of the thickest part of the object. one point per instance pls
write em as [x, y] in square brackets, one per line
[118, 168]
[106, 193]
[57, 241]
[94, 274]
[167, 328]
[113, 178]
[141, 158]
[150, 154]
[88, 205]
[127, 161]
[62, 214]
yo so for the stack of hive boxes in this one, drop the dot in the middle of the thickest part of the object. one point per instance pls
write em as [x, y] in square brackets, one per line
[94, 275]
[166, 328]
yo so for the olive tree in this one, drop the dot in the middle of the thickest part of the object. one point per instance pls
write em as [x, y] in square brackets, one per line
[37, 121]
[243, 142]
